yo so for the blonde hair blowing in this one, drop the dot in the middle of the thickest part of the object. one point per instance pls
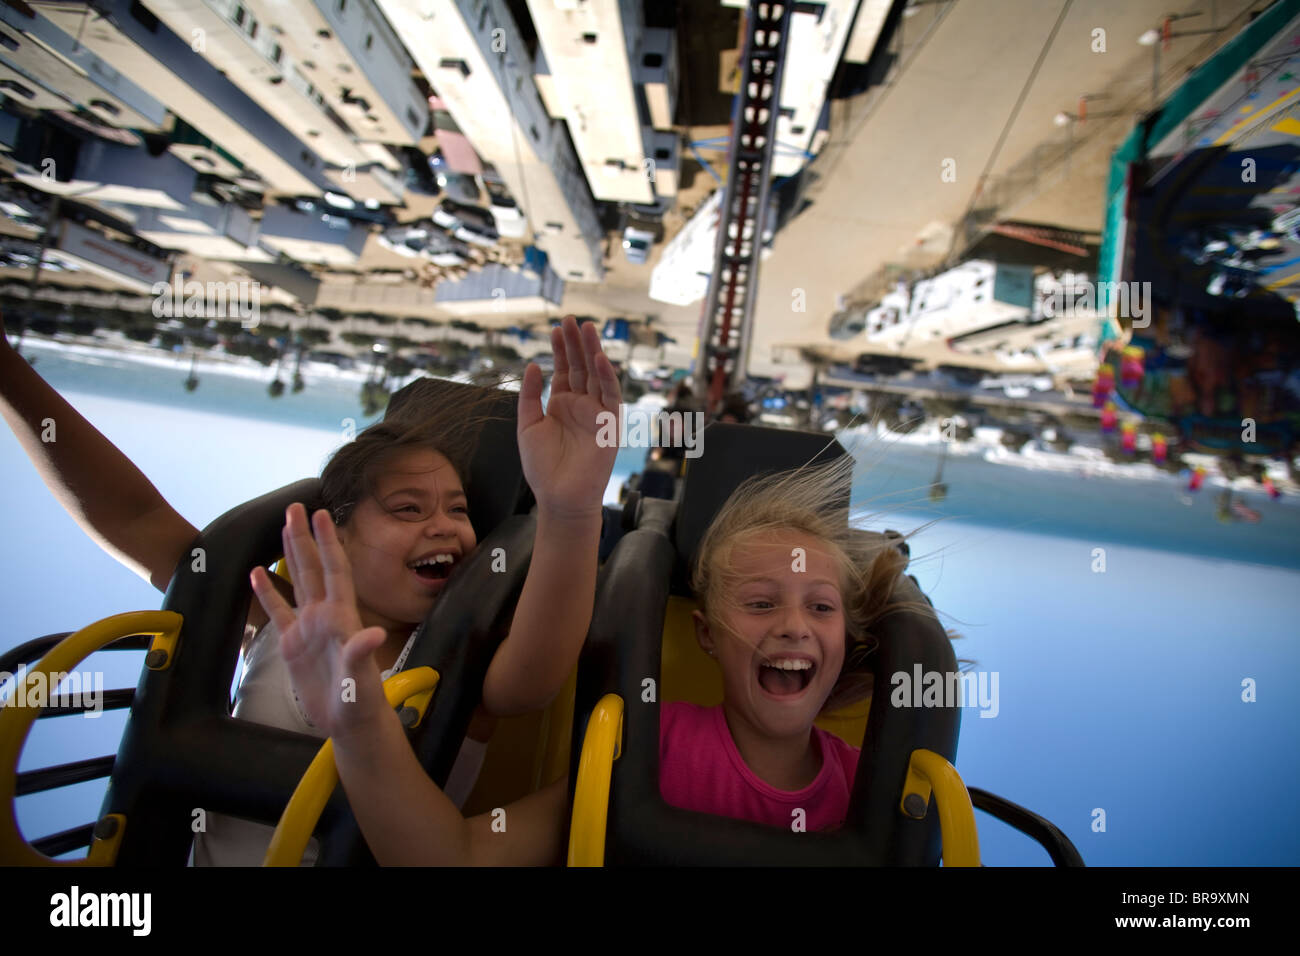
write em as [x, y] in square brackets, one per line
[813, 501]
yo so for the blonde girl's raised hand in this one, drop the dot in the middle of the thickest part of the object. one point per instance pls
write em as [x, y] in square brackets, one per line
[568, 452]
[330, 655]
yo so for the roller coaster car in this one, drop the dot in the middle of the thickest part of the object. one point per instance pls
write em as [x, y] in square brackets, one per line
[181, 750]
[909, 806]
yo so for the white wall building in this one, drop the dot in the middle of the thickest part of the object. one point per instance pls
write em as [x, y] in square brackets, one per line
[812, 54]
[967, 297]
[891, 312]
[681, 276]
[355, 59]
[685, 266]
[590, 47]
[1066, 344]
[134, 42]
[113, 173]
[821, 34]
[657, 73]
[475, 58]
[95, 252]
[247, 51]
[866, 30]
[225, 231]
[35, 48]
[313, 237]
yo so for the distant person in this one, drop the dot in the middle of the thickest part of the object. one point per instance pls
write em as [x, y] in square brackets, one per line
[672, 438]
[735, 409]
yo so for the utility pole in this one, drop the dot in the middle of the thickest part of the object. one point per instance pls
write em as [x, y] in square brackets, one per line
[51, 220]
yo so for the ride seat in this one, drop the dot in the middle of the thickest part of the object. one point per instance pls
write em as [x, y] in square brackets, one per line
[181, 750]
[642, 630]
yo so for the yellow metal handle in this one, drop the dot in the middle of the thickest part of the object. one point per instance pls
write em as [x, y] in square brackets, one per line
[16, 723]
[926, 772]
[415, 689]
[600, 748]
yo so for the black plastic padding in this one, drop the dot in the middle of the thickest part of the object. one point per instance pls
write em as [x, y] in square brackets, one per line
[631, 603]
[180, 750]
[612, 526]
[657, 484]
[732, 453]
[1049, 835]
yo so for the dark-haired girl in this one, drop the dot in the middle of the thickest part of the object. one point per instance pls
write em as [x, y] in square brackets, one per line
[396, 504]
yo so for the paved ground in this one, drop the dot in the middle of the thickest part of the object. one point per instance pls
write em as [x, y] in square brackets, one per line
[883, 188]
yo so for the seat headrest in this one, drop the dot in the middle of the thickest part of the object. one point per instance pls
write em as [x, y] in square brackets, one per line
[495, 484]
[732, 453]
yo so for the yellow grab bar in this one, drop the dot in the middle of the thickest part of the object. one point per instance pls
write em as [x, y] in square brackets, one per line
[928, 771]
[600, 748]
[16, 723]
[415, 688]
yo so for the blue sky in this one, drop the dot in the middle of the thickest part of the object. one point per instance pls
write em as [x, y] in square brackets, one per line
[1118, 690]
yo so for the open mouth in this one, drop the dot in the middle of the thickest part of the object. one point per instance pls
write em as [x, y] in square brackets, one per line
[436, 567]
[785, 677]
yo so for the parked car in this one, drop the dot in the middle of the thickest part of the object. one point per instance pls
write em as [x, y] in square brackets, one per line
[510, 220]
[404, 240]
[874, 364]
[479, 237]
[458, 186]
[961, 374]
[848, 324]
[452, 215]
[419, 177]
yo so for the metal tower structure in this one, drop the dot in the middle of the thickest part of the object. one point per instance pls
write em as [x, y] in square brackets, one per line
[726, 324]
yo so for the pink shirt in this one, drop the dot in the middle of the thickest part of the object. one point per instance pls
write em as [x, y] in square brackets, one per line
[700, 769]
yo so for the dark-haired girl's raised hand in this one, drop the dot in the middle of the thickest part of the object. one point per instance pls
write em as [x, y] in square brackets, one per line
[330, 655]
[568, 452]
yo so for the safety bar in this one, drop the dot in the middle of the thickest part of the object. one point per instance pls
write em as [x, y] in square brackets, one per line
[14, 658]
[1056, 843]
[64, 775]
[163, 629]
[928, 772]
[61, 704]
[57, 844]
[412, 689]
[601, 746]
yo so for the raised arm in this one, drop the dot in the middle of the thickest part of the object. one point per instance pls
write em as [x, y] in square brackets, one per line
[111, 499]
[568, 454]
[406, 819]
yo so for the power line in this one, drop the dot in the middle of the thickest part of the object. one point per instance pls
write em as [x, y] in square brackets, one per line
[1006, 128]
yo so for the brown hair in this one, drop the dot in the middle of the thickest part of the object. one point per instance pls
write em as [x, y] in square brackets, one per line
[427, 414]
[811, 500]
